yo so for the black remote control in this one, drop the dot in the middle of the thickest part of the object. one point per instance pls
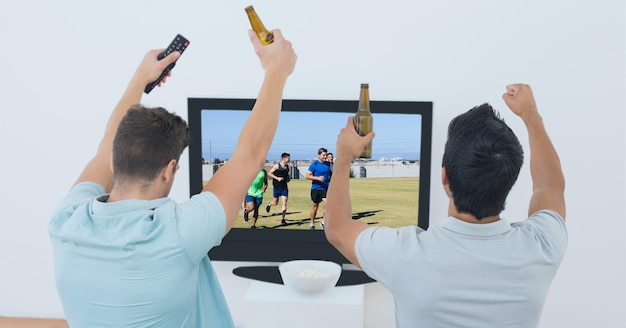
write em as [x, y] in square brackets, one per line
[178, 44]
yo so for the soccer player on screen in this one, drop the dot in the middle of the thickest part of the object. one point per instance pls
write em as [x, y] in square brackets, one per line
[280, 178]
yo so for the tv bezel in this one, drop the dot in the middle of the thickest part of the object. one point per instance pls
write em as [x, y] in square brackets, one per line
[280, 245]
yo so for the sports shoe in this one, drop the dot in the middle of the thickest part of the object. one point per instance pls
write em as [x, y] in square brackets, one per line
[311, 227]
[245, 215]
[283, 222]
[322, 224]
[253, 227]
[267, 207]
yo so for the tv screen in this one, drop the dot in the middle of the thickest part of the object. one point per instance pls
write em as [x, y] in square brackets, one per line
[391, 188]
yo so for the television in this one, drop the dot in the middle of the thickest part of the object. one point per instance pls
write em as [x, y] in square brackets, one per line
[392, 188]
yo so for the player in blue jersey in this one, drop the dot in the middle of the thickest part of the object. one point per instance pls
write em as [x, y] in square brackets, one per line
[318, 173]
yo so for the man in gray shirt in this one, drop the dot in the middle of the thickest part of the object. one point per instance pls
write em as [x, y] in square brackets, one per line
[473, 269]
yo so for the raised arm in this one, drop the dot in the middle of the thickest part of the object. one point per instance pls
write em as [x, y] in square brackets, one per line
[232, 180]
[545, 166]
[341, 231]
[99, 167]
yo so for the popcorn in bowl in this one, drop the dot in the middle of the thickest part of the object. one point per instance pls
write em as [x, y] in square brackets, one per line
[310, 276]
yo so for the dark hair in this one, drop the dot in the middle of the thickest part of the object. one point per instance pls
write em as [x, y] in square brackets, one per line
[146, 140]
[483, 158]
[322, 150]
[283, 155]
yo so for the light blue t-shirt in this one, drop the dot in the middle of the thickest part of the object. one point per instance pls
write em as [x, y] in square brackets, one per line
[138, 263]
[459, 274]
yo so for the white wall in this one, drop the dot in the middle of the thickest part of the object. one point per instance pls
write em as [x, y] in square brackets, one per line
[66, 62]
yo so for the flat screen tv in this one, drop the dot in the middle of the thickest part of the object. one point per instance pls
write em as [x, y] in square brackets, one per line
[392, 188]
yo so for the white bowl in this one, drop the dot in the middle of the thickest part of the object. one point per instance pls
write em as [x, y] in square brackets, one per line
[310, 276]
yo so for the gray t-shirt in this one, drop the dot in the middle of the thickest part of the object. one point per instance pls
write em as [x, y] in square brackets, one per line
[459, 274]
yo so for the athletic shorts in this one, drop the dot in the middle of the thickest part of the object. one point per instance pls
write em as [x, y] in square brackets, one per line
[281, 192]
[317, 195]
[252, 199]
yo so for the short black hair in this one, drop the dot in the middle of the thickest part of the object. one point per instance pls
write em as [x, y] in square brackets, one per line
[482, 158]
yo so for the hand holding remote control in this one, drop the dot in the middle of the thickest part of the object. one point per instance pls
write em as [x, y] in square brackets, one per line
[179, 44]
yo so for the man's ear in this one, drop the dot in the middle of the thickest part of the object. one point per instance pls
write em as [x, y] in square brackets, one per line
[445, 182]
[170, 170]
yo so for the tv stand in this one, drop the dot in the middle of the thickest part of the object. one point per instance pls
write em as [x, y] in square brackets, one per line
[271, 305]
[272, 275]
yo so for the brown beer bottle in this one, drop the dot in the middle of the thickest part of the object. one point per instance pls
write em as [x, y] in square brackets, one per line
[363, 121]
[265, 36]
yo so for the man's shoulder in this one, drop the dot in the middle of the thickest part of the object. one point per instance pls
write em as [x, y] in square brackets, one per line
[543, 218]
[318, 163]
[387, 233]
[79, 194]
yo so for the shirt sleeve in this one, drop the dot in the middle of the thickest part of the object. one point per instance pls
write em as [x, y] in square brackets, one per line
[201, 224]
[78, 194]
[549, 231]
[377, 249]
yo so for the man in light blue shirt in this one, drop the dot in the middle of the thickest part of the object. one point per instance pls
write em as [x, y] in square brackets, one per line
[473, 269]
[125, 255]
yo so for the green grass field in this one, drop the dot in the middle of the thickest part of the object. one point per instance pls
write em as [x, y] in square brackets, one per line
[390, 202]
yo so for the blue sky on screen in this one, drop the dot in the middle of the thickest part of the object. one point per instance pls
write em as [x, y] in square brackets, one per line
[302, 133]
